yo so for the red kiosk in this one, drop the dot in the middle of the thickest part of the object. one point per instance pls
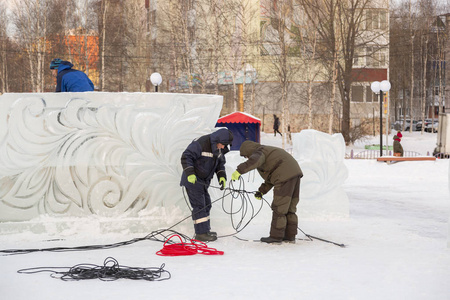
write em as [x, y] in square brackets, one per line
[244, 127]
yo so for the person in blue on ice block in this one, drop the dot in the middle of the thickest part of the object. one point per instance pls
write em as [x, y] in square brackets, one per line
[68, 79]
[202, 158]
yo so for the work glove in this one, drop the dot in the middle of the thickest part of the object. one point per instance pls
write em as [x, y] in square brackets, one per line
[235, 175]
[258, 195]
[192, 178]
[222, 182]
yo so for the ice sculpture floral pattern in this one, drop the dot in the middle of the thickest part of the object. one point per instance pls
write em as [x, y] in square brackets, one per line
[95, 153]
[321, 157]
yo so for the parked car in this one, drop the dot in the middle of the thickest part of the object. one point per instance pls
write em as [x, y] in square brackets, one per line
[408, 125]
[432, 127]
[398, 125]
[419, 124]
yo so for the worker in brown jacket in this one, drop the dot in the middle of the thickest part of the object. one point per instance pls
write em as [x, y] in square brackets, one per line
[281, 171]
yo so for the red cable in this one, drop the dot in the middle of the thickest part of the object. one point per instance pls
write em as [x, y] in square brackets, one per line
[180, 249]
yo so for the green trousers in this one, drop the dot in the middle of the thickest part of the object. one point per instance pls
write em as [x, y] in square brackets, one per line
[284, 207]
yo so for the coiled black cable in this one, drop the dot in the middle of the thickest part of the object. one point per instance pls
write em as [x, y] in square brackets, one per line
[241, 209]
[110, 270]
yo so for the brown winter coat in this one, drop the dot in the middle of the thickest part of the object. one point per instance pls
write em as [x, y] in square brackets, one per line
[273, 164]
[397, 146]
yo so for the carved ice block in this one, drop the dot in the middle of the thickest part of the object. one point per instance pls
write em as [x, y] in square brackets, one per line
[96, 153]
[321, 157]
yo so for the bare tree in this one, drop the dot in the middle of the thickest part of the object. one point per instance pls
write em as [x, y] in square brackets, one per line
[237, 38]
[138, 36]
[417, 26]
[30, 21]
[213, 18]
[103, 11]
[411, 94]
[399, 59]
[246, 14]
[81, 32]
[278, 47]
[179, 35]
[441, 38]
[427, 16]
[3, 48]
[340, 27]
[327, 10]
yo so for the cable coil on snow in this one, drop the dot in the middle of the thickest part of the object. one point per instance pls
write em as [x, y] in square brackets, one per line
[111, 270]
[182, 248]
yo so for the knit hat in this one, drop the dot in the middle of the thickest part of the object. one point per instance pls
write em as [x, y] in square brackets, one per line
[54, 64]
[399, 134]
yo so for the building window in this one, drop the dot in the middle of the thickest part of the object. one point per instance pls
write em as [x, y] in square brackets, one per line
[358, 57]
[436, 90]
[376, 19]
[376, 57]
[357, 93]
[370, 96]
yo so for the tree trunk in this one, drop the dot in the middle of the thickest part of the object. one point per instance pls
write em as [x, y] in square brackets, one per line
[103, 53]
[424, 92]
[333, 95]
[411, 94]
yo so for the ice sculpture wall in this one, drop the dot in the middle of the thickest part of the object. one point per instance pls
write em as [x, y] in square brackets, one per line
[95, 153]
[321, 157]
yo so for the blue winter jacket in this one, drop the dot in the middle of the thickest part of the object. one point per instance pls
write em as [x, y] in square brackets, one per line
[71, 80]
[203, 159]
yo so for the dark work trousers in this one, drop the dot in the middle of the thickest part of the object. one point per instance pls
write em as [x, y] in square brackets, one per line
[284, 207]
[201, 206]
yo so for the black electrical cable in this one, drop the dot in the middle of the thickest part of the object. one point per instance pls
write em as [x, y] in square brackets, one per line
[110, 270]
[244, 196]
[241, 214]
[159, 236]
[243, 209]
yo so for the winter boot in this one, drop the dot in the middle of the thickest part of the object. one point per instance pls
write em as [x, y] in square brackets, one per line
[271, 240]
[212, 233]
[289, 240]
[205, 237]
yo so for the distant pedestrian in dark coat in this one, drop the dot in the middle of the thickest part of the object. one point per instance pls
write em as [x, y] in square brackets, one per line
[280, 170]
[398, 149]
[276, 125]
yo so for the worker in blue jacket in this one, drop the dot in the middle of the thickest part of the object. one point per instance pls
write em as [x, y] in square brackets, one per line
[68, 79]
[201, 159]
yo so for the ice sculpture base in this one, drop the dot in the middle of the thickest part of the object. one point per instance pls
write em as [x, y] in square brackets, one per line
[105, 154]
[63, 227]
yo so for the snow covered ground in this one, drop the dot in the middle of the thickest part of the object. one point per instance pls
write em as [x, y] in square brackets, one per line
[396, 238]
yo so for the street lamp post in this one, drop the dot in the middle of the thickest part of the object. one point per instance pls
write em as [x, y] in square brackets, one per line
[378, 88]
[156, 80]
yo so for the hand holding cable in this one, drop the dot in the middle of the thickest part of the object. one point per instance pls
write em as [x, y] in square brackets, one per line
[258, 195]
[235, 175]
[192, 179]
[223, 183]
